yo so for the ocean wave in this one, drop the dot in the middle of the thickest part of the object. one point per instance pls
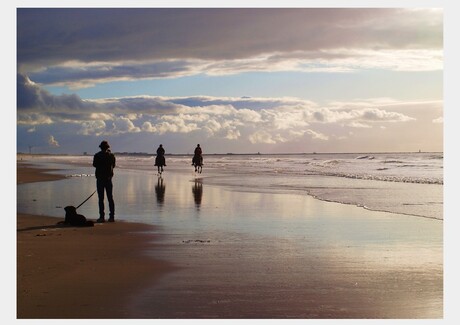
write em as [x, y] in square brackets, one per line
[80, 175]
[328, 163]
[389, 178]
[393, 162]
[394, 167]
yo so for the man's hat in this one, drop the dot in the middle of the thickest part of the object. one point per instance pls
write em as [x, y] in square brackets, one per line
[104, 145]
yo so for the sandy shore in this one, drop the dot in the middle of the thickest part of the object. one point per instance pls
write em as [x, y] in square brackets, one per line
[305, 259]
[69, 272]
[28, 174]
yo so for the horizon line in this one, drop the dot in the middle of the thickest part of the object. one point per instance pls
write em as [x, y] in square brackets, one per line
[230, 153]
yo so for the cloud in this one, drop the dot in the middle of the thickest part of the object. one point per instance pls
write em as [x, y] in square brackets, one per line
[263, 137]
[379, 115]
[98, 34]
[232, 134]
[357, 117]
[229, 117]
[37, 106]
[356, 124]
[256, 120]
[32, 118]
[30, 96]
[96, 127]
[317, 135]
[52, 141]
[123, 124]
[82, 47]
[81, 75]
[175, 124]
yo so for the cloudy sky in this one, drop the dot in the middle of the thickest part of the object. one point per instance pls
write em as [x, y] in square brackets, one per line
[234, 80]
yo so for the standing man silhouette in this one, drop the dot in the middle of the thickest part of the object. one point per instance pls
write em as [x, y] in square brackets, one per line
[104, 161]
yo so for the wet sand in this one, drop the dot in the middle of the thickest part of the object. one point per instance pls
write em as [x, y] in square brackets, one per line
[71, 272]
[28, 174]
[258, 277]
[342, 264]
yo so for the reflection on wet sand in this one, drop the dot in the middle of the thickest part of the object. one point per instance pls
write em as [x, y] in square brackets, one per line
[160, 189]
[197, 190]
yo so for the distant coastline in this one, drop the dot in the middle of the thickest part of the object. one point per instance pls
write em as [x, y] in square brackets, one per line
[146, 154]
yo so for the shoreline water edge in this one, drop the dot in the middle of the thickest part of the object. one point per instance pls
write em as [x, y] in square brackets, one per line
[215, 247]
[402, 183]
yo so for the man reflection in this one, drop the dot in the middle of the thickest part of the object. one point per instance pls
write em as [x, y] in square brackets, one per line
[197, 190]
[160, 191]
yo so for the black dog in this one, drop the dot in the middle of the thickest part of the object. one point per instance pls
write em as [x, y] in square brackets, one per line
[74, 219]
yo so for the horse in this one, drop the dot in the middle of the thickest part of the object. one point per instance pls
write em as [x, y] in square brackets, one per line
[197, 162]
[160, 161]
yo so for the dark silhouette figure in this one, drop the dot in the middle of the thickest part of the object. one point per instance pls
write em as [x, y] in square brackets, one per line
[160, 190]
[160, 160]
[104, 161]
[197, 159]
[197, 191]
[72, 218]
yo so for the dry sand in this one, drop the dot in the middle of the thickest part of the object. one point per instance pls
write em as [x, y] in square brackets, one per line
[70, 272]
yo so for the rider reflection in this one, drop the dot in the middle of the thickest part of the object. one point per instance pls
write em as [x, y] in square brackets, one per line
[197, 191]
[160, 189]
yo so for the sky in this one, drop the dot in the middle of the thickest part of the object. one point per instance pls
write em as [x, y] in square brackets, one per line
[239, 80]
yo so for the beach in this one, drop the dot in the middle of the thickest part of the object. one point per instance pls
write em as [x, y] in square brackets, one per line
[191, 247]
[323, 190]
[70, 272]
